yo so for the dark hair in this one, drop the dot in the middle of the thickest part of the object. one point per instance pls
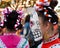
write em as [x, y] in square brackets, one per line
[0, 18]
[53, 3]
[27, 19]
[11, 20]
[20, 26]
[50, 12]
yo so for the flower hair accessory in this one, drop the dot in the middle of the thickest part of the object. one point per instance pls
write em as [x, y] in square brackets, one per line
[43, 6]
[7, 11]
[40, 3]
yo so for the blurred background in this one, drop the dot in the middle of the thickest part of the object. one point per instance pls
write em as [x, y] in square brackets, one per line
[25, 5]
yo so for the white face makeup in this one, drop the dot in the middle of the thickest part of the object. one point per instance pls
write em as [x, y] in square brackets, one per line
[35, 28]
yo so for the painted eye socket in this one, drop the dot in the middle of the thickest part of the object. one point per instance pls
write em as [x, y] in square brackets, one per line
[31, 23]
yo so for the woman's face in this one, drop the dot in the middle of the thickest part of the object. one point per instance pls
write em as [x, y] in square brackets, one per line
[43, 27]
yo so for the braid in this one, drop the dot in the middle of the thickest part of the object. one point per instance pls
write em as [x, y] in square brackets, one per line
[47, 12]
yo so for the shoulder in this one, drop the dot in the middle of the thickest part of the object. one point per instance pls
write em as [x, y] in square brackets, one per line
[23, 43]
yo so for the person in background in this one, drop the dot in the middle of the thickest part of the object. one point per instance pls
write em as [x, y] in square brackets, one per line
[48, 21]
[10, 39]
[27, 26]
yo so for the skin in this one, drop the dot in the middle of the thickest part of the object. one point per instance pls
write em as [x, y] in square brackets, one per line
[18, 32]
[46, 29]
[3, 30]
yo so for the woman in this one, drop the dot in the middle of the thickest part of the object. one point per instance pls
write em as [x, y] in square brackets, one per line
[48, 25]
[27, 26]
[10, 39]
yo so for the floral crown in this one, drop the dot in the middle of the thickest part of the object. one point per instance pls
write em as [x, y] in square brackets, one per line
[7, 11]
[44, 5]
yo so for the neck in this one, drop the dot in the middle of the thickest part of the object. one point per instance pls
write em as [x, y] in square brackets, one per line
[9, 32]
[50, 35]
[18, 33]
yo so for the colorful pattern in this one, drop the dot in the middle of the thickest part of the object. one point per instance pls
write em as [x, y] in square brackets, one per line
[35, 28]
[23, 44]
[43, 7]
[7, 11]
[2, 45]
[54, 42]
[55, 46]
[13, 41]
[40, 3]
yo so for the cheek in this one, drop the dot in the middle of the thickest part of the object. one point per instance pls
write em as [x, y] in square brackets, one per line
[42, 29]
[42, 26]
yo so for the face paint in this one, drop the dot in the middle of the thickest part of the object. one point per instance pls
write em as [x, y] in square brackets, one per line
[35, 28]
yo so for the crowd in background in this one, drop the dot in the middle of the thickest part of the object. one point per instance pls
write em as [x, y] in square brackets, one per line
[16, 25]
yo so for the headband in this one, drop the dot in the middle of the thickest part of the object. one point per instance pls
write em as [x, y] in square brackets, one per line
[44, 5]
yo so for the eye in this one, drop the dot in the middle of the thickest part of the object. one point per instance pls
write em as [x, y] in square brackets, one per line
[31, 23]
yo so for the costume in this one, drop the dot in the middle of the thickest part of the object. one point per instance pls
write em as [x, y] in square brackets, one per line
[43, 7]
[54, 42]
[13, 41]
